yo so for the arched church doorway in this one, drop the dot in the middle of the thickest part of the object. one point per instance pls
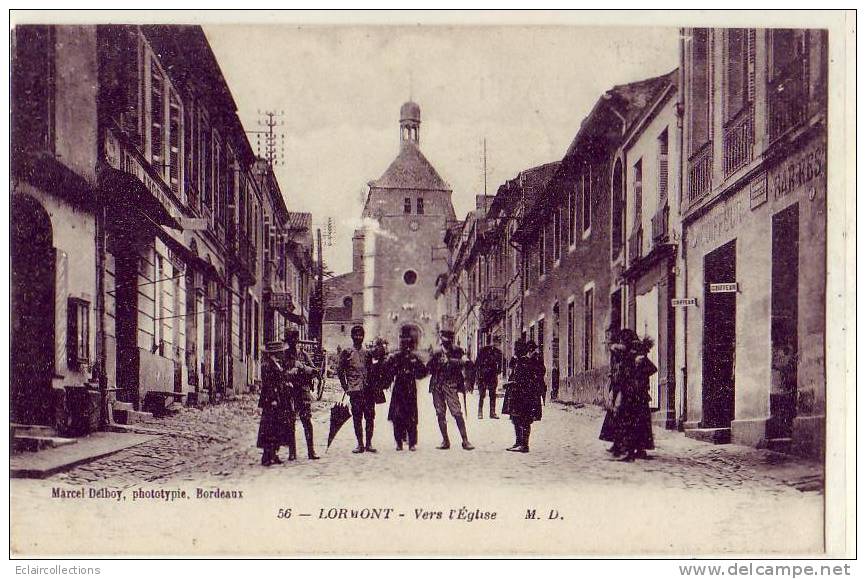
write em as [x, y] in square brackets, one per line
[32, 282]
[413, 332]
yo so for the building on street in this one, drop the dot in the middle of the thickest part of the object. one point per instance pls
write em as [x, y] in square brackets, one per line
[139, 219]
[754, 216]
[643, 250]
[570, 295]
[54, 207]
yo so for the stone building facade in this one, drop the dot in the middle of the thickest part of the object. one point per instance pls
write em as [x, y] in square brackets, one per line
[644, 239]
[55, 297]
[754, 235]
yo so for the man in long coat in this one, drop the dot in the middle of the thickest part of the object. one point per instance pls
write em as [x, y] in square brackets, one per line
[405, 368]
[446, 382]
[275, 404]
[524, 396]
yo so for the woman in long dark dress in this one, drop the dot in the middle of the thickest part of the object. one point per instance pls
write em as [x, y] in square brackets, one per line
[636, 421]
[524, 394]
[620, 371]
[405, 368]
[273, 400]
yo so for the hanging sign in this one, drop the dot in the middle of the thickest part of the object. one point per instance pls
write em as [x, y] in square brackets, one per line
[684, 302]
[724, 288]
[282, 301]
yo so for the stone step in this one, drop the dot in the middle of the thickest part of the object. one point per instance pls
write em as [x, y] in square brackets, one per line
[31, 430]
[116, 405]
[29, 443]
[131, 416]
[779, 444]
[711, 435]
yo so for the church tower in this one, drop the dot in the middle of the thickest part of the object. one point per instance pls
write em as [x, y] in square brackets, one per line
[406, 213]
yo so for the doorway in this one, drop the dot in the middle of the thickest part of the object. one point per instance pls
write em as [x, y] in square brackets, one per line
[32, 285]
[720, 337]
[784, 318]
[126, 329]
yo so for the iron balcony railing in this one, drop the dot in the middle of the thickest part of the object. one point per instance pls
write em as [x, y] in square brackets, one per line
[737, 140]
[660, 223]
[700, 172]
[492, 306]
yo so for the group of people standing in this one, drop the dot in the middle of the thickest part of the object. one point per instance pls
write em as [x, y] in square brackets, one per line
[628, 422]
[365, 372]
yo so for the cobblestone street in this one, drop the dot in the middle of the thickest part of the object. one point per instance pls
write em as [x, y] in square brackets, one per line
[705, 497]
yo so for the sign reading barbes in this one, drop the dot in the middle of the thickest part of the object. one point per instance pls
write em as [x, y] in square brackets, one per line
[798, 170]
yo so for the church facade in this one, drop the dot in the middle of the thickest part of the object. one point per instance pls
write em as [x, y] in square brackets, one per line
[399, 251]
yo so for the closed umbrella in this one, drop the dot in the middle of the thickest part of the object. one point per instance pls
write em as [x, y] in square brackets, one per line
[339, 415]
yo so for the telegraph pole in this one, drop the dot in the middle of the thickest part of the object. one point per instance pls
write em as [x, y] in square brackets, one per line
[320, 274]
[270, 144]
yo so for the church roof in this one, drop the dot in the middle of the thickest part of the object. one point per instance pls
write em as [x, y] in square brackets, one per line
[411, 170]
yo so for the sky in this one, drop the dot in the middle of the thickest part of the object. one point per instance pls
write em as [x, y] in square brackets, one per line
[339, 89]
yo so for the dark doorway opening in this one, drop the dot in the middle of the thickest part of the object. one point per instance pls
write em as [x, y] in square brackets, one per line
[32, 281]
[783, 328]
[615, 311]
[720, 337]
[126, 328]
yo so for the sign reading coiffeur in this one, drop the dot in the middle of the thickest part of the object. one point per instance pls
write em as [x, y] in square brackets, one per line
[724, 288]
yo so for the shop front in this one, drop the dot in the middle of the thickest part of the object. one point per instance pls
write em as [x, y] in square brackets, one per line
[756, 270]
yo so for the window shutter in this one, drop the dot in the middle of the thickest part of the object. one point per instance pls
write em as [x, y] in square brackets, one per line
[131, 86]
[174, 139]
[735, 74]
[71, 334]
[663, 166]
[750, 71]
[188, 148]
[699, 93]
[157, 117]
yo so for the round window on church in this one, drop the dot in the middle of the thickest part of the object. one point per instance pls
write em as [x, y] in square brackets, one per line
[410, 277]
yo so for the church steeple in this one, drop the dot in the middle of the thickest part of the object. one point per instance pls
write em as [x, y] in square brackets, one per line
[410, 123]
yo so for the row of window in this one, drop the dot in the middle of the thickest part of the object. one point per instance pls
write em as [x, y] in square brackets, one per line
[179, 140]
[536, 333]
[563, 226]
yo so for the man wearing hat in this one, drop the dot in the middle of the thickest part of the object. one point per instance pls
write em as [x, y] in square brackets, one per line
[489, 365]
[405, 368]
[353, 371]
[446, 382]
[275, 405]
[299, 372]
